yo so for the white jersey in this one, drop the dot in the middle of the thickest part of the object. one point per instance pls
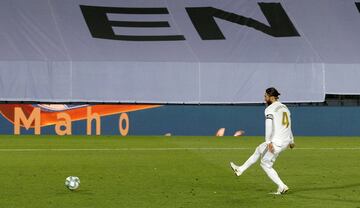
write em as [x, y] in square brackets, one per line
[281, 133]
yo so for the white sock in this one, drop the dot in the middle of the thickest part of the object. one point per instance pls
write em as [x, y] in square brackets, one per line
[273, 176]
[252, 159]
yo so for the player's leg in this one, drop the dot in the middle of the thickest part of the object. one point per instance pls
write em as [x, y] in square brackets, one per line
[252, 159]
[267, 162]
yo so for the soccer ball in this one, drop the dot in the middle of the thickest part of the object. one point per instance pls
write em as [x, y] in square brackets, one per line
[72, 182]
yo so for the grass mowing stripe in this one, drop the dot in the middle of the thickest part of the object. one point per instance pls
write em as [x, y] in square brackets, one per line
[170, 149]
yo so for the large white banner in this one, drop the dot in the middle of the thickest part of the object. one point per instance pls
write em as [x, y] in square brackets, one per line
[178, 51]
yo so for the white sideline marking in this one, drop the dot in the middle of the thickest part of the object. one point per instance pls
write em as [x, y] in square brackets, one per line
[170, 149]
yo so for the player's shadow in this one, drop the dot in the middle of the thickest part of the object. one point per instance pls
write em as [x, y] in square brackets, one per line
[310, 189]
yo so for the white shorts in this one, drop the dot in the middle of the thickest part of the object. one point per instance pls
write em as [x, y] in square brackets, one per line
[268, 158]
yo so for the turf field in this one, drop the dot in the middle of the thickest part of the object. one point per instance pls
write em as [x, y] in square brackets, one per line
[174, 172]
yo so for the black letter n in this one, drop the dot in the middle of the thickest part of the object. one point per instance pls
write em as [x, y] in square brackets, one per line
[204, 22]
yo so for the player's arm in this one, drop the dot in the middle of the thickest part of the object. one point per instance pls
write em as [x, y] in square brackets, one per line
[268, 131]
[292, 143]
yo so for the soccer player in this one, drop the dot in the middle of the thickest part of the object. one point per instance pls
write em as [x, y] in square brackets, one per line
[278, 137]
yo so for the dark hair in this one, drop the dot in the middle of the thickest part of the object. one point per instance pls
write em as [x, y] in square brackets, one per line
[272, 92]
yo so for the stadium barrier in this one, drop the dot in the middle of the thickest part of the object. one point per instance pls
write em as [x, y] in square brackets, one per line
[125, 120]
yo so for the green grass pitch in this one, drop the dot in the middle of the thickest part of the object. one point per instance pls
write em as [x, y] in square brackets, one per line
[176, 172]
